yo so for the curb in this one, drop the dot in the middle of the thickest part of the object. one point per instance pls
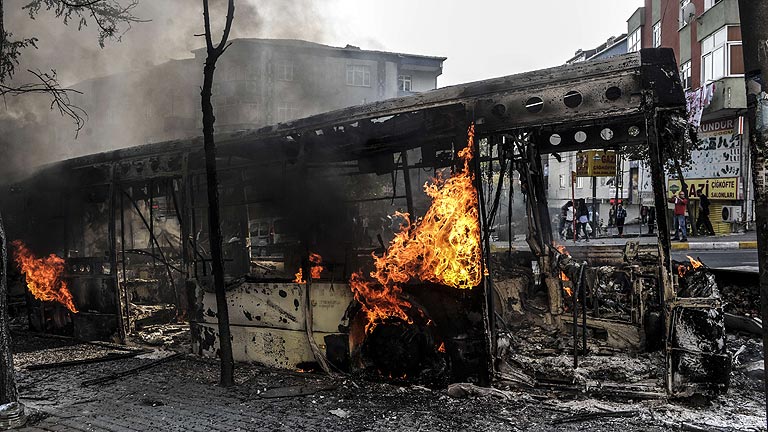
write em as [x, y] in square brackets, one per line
[714, 245]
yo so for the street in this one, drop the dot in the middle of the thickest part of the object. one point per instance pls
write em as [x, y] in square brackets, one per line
[743, 259]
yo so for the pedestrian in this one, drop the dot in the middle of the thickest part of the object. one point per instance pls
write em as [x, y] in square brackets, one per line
[563, 218]
[703, 219]
[567, 220]
[681, 203]
[583, 214]
[612, 216]
[621, 216]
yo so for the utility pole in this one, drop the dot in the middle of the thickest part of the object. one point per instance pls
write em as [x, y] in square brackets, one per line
[754, 30]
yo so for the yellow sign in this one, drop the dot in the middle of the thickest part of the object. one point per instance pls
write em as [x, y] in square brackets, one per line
[596, 163]
[725, 188]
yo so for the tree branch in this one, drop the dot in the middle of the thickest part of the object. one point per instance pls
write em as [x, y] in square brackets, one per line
[48, 84]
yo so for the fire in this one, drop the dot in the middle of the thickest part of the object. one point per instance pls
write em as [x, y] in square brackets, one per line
[561, 249]
[443, 247]
[314, 272]
[694, 262]
[441, 348]
[43, 276]
[316, 269]
[568, 291]
[684, 268]
[299, 277]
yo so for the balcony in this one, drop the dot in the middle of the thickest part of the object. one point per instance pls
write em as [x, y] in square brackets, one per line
[730, 94]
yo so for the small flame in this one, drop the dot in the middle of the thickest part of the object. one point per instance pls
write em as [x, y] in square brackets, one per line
[563, 277]
[568, 291]
[694, 262]
[299, 277]
[43, 276]
[683, 269]
[561, 249]
[315, 271]
[441, 348]
[442, 247]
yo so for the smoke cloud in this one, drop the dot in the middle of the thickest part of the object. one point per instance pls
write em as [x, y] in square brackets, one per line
[169, 32]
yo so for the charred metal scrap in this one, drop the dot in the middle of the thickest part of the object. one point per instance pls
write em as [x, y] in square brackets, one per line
[307, 204]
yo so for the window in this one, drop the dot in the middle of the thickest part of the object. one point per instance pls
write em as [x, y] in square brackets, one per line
[720, 55]
[284, 71]
[579, 182]
[657, 34]
[286, 111]
[404, 83]
[562, 181]
[687, 12]
[633, 41]
[709, 3]
[685, 75]
[358, 76]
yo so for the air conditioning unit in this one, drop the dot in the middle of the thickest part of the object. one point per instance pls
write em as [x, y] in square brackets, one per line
[731, 214]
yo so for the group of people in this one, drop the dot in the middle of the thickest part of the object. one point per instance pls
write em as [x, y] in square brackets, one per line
[703, 224]
[578, 213]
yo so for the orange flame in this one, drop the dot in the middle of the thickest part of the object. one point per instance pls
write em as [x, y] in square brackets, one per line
[299, 277]
[561, 249]
[315, 271]
[443, 247]
[441, 348]
[683, 269]
[43, 276]
[694, 262]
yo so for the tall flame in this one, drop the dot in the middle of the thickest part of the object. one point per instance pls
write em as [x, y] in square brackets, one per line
[43, 276]
[443, 247]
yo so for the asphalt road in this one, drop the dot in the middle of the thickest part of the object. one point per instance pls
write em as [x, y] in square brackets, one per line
[722, 258]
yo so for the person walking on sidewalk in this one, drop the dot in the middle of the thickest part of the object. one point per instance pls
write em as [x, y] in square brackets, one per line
[583, 214]
[703, 219]
[681, 202]
[621, 216]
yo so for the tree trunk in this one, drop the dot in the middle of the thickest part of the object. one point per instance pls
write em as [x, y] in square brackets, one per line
[8, 391]
[754, 30]
[214, 222]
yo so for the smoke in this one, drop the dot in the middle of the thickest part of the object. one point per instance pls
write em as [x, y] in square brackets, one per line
[30, 135]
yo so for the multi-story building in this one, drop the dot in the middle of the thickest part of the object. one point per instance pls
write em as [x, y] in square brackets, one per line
[706, 38]
[604, 190]
[258, 82]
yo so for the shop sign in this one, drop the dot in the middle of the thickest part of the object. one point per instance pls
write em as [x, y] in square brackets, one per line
[719, 188]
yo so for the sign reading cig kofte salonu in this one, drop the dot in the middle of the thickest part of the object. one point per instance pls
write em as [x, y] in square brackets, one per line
[596, 163]
[719, 188]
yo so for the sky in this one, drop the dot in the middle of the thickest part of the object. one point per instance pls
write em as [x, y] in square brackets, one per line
[481, 38]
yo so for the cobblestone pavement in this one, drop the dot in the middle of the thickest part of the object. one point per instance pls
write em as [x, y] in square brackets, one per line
[182, 395]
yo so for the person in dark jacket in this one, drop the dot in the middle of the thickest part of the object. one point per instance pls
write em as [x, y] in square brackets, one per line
[703, 219]
[621, 216]
[582, 213]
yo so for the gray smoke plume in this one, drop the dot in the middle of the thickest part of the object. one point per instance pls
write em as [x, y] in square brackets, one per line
[26, 131]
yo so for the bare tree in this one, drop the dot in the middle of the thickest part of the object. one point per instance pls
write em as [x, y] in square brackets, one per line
[111, 17]
[214, 225]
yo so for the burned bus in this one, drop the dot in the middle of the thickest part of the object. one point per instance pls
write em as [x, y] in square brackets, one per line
[359, 240]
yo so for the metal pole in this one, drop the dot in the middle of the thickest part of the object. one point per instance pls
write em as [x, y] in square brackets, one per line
[408, 190]
[754, 30]
[595, 219]
[573, 203]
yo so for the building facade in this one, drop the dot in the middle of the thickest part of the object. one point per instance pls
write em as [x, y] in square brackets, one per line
[257, 83]
[706, 38]
[561, 187]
